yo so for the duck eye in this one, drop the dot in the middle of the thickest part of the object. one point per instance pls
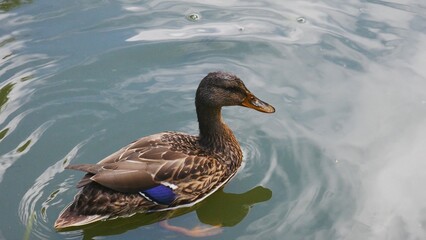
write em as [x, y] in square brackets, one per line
[234, 89]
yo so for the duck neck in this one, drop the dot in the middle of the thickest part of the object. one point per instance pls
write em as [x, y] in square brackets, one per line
[214, 133]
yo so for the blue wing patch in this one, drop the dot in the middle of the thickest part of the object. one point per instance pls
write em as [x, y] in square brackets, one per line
[159, 194]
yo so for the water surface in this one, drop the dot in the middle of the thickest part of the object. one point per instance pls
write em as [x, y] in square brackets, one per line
[342, 157]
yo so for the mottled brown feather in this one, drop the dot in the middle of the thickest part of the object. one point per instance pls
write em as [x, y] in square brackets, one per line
[117, 179]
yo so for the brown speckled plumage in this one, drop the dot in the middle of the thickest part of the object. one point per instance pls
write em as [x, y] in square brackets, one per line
[189, 167]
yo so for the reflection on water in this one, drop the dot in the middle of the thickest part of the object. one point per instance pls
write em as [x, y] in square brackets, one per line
[220, 209]
[228, 209]
[7, 5]
[4, 92]
[343, 155]
[266, 24]
[9, 158]
[28, 205]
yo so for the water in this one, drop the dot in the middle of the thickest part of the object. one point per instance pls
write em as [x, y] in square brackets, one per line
[342, 158]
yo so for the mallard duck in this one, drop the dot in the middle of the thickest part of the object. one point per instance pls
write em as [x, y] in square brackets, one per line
[167, 170]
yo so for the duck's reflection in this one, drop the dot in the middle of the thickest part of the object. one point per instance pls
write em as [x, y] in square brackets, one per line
[220, 209]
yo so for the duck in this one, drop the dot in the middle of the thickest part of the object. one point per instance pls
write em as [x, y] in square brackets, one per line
[167, 170]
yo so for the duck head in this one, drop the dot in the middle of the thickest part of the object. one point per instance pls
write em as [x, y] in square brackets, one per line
[220, 89]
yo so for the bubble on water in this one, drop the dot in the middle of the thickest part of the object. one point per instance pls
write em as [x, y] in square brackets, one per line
[193, 17]
[301, 20]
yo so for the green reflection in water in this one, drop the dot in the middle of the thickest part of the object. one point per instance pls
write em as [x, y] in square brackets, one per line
[45, 204]
[3, 133]
[4, 43]
[24, 146]
[29, 227]
[7, 5]
[4, 94]
[224, 209]
[7, 40]
[228, 209]
[26, 78]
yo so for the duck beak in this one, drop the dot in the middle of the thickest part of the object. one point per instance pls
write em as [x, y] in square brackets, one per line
[255, 103]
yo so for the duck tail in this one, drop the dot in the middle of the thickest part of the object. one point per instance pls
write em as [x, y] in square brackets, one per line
[69, 218]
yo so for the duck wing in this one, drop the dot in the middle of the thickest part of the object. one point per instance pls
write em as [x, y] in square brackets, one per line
[142, 165]
[126, 176]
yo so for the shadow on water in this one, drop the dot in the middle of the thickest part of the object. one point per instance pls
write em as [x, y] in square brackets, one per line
[220, 209]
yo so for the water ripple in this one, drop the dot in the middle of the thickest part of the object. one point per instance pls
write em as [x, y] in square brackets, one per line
[37, 193]
[9, 158]
[343, 154]
[254, 20]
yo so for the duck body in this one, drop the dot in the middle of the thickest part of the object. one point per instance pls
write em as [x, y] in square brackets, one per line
[166, 170]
